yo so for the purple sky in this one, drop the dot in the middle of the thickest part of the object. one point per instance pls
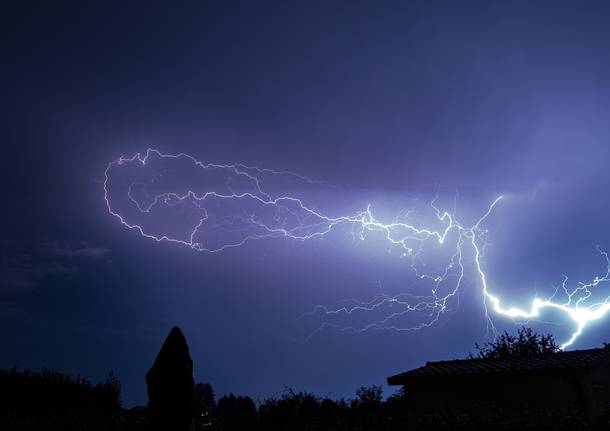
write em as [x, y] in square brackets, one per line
[383, 100]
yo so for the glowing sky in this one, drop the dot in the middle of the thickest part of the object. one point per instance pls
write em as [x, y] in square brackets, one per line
[384, 104]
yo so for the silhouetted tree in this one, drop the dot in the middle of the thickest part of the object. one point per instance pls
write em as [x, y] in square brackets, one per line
[366, 408]
[525, 343]
[135, 419]
[235, 414]
[333, 414]
[49, 400]
[293, 410]
[205, 403]
[111, 402]
[369, 395]
[395, 410]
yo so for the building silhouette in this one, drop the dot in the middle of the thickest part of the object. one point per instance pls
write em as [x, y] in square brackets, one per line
[577, 380]
[171, 388]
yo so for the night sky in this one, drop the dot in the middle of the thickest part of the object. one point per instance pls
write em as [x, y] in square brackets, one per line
[385, 102]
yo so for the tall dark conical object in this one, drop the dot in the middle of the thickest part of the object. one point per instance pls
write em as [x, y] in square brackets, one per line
[171, 387]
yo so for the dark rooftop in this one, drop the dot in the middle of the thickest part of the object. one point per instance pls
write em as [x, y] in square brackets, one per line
[573, 360]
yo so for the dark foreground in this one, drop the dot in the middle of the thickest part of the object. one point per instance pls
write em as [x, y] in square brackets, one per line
[49, 400]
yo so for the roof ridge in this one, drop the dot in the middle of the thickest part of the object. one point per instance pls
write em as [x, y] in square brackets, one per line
[449, 361]
[576, 359]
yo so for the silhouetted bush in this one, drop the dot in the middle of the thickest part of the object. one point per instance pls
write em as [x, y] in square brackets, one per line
[298, 411]
[302, 411]
[235, 414]
[205, 404]
[525, 343]
[49, 400]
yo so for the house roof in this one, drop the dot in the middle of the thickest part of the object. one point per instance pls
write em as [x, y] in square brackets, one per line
[572, 360]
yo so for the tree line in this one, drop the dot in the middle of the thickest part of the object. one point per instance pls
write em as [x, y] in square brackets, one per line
[50, 400]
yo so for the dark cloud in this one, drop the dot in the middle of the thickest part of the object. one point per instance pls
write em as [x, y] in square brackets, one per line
[62, 249]
[25, 266]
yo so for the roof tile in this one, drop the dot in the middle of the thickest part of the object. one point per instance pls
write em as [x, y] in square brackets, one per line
[575, 359]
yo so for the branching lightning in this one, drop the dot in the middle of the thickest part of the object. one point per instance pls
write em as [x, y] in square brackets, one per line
[210, 207]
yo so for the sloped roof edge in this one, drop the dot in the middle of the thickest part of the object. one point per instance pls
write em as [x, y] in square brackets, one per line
[573, 360]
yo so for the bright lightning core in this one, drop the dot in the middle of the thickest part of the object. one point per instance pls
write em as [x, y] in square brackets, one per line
[210, 207]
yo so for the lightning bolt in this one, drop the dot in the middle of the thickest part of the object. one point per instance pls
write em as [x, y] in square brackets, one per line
[231, 205]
